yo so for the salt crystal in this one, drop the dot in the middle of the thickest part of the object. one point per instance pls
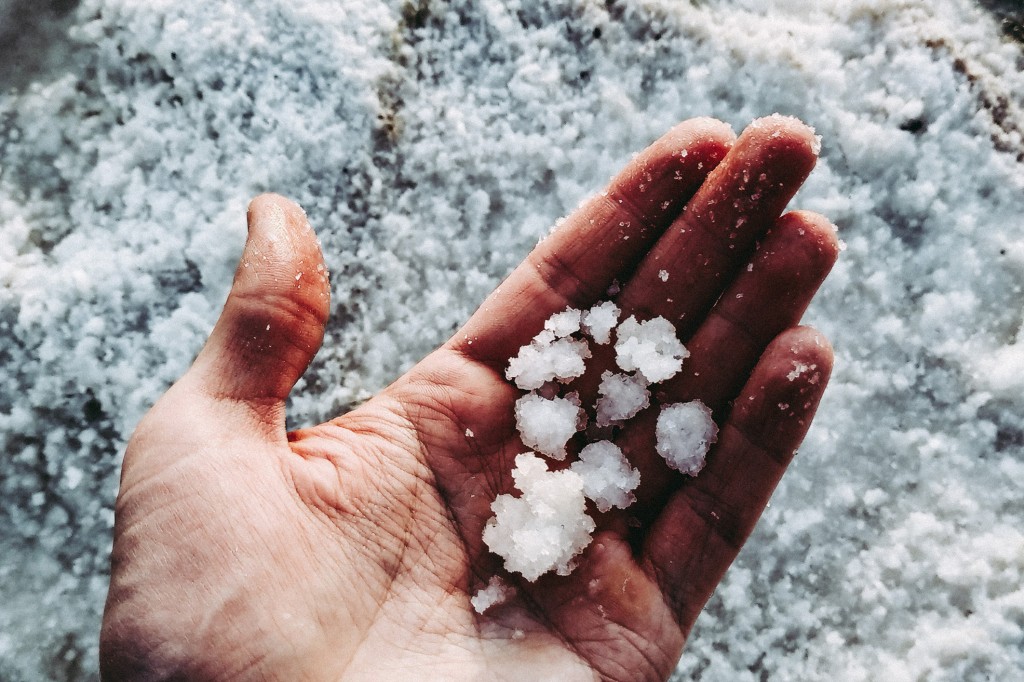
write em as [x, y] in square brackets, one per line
[469, 433]
[495, 593]
[798, 369]
[547, 425]
[546, 527]
[663, 275]
[621, 397]
[544, 360]
[564, 323]
[608, 479]
[599, 321]
[649, 347]
[685, 433]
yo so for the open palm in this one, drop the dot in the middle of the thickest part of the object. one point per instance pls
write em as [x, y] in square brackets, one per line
[350, 550]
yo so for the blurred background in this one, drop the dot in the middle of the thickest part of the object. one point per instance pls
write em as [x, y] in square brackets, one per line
[432, 143]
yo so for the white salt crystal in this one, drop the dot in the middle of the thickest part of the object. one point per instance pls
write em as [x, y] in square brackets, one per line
[546, 527]
[798, 369]
[599, 321]
[546, 425]
[72, 477]
[621, 397]
[564, 323]
[685, 433]
[608, 479]
[663, 275]
[496, 592]
[649, 347]
[542, 361]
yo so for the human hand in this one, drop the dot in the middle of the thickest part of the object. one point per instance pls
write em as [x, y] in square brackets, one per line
[350, 550]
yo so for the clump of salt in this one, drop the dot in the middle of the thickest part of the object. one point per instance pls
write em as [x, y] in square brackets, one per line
[546, 425]
[599, 321]
[546, 359]
[564, 323]
[621, 397]
[547, 526]
[496, 592]
[608, 479]
[544, 528]
[685, 432]
[649, 347]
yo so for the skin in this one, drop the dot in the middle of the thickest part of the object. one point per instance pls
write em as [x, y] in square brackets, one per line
[350, 550]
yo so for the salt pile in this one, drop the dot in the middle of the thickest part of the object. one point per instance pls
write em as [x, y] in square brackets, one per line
[120, 202]
[547, 526]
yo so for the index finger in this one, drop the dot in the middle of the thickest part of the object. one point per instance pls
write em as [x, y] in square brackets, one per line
[601, 242]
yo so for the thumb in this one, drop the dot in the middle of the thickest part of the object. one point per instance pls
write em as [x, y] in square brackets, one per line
[273, 321]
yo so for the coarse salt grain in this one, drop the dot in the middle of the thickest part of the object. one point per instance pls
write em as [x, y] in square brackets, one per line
[548, 360]
[608, 479]
[599, 321]
[546, 527]
[546, 425]
[621, 397]
[685, 432]
[495, 593]
[650, 347]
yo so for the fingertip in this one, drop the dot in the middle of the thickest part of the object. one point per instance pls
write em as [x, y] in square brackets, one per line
[704, 128]
[799, 345]
[282, 254]
[812, 239]
[707, 140]
[273, 321]
[776, 406]
[785, 132]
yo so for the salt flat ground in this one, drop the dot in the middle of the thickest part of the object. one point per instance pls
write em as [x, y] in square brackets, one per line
[432, 143]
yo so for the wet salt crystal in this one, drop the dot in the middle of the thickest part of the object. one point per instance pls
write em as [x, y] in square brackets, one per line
[621, 397]
[544, 528]
[545, 360]
[663, 275]
[564, 323]
[685, 433]
[495, 593]
[547, 425]
[798, 369]
[649, 347]
[608, 479]
[469, 433]
[599, 321]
